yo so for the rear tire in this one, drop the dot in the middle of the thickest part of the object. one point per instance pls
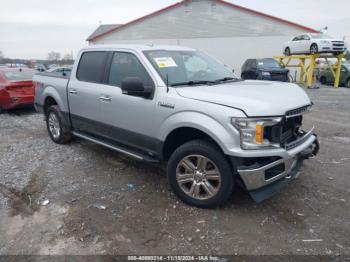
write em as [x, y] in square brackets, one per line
[323, 80]
[347, 83]
[313, 49]
[200, 175]
[287, 51]
[59, 132]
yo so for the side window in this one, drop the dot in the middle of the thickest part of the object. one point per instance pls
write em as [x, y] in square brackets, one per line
[305, 37]
[244, 66]
[91, 67]
[252, 65]
[297, 38]
[127, 65]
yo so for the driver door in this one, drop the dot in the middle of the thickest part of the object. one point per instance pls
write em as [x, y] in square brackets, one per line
[127, 119]
[304, 44]
[295, 45]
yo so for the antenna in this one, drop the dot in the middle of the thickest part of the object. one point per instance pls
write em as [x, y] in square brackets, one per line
[167, 83]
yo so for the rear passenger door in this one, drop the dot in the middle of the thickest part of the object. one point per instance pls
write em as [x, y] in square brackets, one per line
[84, 90]
[128, 120]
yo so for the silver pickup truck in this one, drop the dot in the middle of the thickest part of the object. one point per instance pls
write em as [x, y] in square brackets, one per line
[179, 106]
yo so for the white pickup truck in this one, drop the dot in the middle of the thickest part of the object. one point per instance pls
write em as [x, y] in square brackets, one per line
[180, 106]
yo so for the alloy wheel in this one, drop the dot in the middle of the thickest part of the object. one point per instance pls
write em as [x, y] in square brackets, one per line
[313, 49]
[198, 177]
[54, 126]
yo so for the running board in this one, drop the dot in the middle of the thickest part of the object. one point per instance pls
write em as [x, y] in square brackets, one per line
[118, 148]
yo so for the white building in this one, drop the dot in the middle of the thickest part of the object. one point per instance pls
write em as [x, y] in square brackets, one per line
[229, 32]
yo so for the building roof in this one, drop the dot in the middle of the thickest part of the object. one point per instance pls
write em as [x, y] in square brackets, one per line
[102, 29]
[138, 47]
[115, 28]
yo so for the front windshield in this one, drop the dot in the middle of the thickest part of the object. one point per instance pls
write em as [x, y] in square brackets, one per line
[320, 36]
[268, 63]
[181, 67]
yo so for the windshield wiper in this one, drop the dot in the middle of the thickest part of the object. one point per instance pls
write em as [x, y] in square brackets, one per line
[225, 79]
[193, 82]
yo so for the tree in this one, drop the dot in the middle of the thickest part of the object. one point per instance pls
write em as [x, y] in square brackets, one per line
[67, 57]
[1, 55]
[53, 56]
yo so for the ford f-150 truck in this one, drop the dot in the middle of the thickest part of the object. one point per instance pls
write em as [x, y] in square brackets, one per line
[179, 106]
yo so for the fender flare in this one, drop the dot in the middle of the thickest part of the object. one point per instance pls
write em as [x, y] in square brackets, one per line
[201, 122]
[51, 92]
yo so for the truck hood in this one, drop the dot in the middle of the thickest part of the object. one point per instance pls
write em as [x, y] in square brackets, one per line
[255, 98]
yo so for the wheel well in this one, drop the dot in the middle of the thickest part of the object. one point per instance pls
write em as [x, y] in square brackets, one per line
[49, 101]
[182, 135]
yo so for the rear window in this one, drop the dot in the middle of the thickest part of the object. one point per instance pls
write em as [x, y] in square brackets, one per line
[268, 63]
[19, 75]
[91, 67]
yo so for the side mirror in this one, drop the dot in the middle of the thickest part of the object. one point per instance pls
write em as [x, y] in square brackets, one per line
[233, 70]
[133, 86]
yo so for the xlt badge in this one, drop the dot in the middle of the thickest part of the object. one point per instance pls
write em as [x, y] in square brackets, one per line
[167, 105]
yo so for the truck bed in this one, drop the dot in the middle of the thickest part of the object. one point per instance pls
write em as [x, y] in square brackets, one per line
[46, 81]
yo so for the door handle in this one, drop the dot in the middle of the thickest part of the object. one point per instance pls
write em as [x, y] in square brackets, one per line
[73, 91]
[105, 98]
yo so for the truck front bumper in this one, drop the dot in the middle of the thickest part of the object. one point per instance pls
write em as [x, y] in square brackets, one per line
[265, 177]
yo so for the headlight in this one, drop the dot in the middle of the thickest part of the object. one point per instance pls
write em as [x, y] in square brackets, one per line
[265, 73]
[252, 132]
[325, 42]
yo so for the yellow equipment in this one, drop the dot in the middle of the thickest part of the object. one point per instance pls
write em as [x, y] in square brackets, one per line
[307, 65]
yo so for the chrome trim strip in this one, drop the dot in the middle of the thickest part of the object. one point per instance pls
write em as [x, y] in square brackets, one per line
[299, 141]
[255, 178]
[298, 111]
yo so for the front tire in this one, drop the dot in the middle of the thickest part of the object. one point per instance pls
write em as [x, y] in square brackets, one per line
[58, 131]
[313, 49]
[200, 175]
[323, 80]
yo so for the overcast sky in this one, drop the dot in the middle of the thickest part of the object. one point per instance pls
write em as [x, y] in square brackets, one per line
[32, 28]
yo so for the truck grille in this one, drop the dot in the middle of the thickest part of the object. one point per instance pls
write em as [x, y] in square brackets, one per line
[277, 73]
[288, 133]
[338, 45]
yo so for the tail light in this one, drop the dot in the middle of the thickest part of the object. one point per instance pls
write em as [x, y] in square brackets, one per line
[18, 88]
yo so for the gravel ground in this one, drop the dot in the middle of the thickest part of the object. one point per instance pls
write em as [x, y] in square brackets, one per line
[81, 198]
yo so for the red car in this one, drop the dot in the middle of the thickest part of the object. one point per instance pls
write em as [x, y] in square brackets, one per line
[16, 87]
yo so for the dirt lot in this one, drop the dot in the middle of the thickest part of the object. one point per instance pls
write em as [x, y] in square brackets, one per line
[142, 216]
